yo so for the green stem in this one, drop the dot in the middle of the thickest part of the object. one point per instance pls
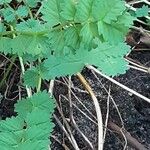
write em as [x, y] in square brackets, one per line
[8, 70]
[31, 33]
[40, 79]
[39, 85]
[29, 93]
[25, 32]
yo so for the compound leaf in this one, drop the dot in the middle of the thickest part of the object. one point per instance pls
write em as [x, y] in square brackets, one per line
[141, 12]
[32, 127]
[104, 56]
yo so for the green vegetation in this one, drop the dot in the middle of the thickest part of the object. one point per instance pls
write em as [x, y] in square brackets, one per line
[58, 38]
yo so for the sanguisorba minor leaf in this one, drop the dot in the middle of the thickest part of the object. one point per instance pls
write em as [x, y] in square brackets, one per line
[58, 66]
[4, 1]
[42, 101]
[30, 39]
[104, 10]
[33, 145]
[83, 10]
[117, 30]
[51, 12]
[105, 57]
[39, 101]
[143, 11]
[31, 77]
[11, 124]
[23, 107]
[68, 8]
[32, 127]
[32, 3]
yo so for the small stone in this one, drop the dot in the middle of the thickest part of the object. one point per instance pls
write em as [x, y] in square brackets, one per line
[130, 94]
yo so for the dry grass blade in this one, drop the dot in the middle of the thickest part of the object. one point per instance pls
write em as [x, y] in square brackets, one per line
[72, 117]
[132, 141]
[120, 85]
[98, 111]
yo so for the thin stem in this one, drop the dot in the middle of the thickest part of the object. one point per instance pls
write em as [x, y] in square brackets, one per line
[119, 84]
[8, 70]
[146, 1]
[40, 79]
[26, 32]
[29, 93]
[39, 84]
[51, 87]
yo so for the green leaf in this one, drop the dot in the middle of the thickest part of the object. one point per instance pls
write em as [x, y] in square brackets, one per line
[28, 58]
[62, 66]
[32, 77]
[6, 147]
[39, 101]
[8, 138]
[57, 41]
[11, 138]
[34, 44]
[31, 25]
[141, 12]
[31, 39]
[32, 127]
[68, 9]
[35, 133]
[88, 32]
[22, 11]
[104, 56]
[104, 10]
[42, 101]
[8, 14]
[11, 124]
[32, 3]
[2, 27]
[113, 33]
[126, 20]
[4, 47]
[4, 1]
[111, 61]
[33, 120]
[36, 145]
[72, 37]
[83, 10]
[23, 107]
[51, 12]
[68, 37]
